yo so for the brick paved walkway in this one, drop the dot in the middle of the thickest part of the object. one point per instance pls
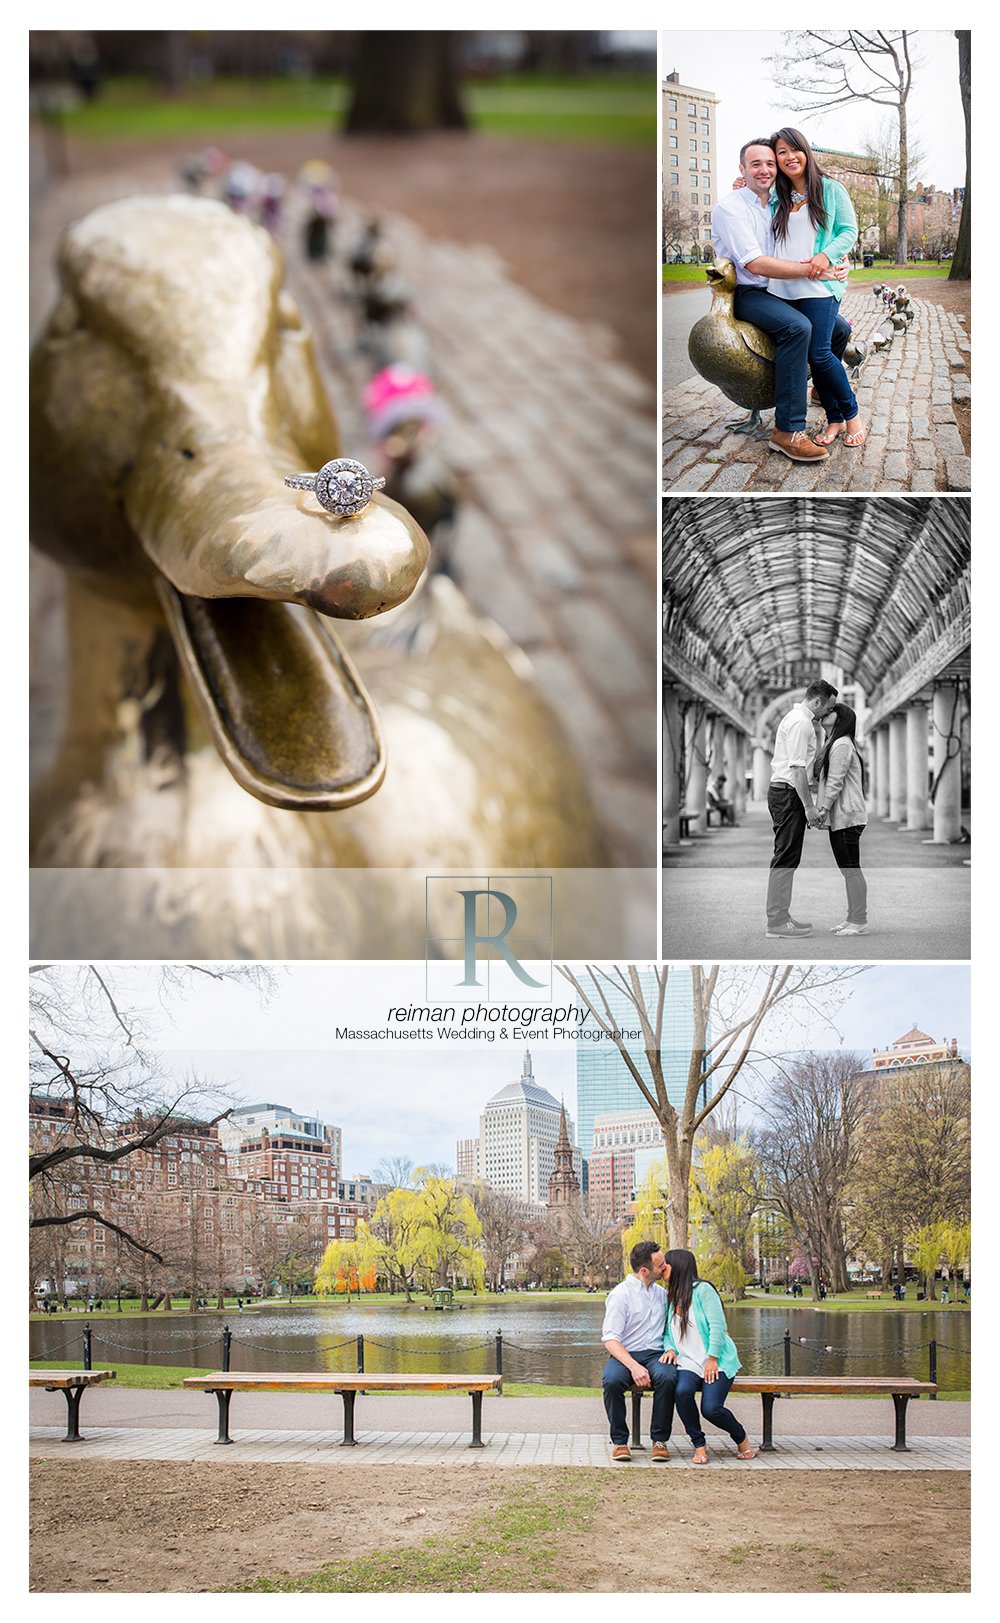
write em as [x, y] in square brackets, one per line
[502, 1448]
[714, 887]
[906, 395]
[553, 444]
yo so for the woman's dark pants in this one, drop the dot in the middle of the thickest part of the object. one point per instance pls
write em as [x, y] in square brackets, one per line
[713, 1406]
[846, 846]
[617, 1380]
[828, 372]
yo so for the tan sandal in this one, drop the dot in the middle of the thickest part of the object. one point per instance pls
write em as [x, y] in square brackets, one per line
[857, 438]
[746, 1452]
[831, 432]
[694, 1458]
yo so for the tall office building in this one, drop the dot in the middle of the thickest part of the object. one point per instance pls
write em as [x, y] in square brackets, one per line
[690, 166]
[518, 1134]
[604, 1084]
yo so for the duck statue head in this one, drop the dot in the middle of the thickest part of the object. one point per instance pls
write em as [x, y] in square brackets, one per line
[205, 619]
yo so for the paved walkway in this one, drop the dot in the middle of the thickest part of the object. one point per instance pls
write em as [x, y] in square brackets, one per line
[552, 441]
[906, 394]
[919, 896]
[430, 1449]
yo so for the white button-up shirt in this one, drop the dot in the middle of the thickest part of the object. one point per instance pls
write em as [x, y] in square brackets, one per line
[796, 743]
[741, 231]
[635, 1315]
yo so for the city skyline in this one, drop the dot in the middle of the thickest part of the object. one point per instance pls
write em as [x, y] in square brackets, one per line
[419, 1099]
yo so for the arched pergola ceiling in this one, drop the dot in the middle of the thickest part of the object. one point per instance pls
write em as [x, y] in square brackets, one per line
[760, 590]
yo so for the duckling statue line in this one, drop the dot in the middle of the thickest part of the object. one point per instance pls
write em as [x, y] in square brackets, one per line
[215, 763]
[736, 357]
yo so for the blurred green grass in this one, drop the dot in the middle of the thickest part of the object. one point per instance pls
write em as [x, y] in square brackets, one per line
[614, 110]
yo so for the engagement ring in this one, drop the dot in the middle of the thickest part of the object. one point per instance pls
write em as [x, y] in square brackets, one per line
[342, 486]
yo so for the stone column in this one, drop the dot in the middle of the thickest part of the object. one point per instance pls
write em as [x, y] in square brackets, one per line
[717, 741]
[671, 767]
[947, 768]
[897, 769]
[696, 771]
[740, 792]
[882, 771]
[761, 773]
[917, 816]
[731, 766]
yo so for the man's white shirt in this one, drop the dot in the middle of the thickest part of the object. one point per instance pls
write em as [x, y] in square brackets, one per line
[795, 744]
[635, 1315]
[741, 231]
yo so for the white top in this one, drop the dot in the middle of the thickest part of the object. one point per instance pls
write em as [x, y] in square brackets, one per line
[800, 243]
[742, 230]
[691, 1350]
[796, 743]
[635, 1315]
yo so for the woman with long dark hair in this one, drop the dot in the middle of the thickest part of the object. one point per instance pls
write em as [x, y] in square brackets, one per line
[697, 1341]
[842, 797]
[814, 221]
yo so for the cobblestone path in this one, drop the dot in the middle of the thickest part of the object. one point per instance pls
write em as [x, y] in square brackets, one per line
[906, 395]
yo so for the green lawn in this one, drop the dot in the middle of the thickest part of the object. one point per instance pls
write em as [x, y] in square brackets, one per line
[618, 110]
[879, 273]
[856, 1302]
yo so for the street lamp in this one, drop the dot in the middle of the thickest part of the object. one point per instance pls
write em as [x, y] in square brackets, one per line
[788, 1263]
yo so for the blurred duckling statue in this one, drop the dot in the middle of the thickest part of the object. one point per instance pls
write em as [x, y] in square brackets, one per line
[736, 357]
[214, 758]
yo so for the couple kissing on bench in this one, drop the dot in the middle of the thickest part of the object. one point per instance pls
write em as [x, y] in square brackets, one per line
[665, 1329]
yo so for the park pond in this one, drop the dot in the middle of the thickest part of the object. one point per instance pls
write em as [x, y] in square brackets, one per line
[549, 1340]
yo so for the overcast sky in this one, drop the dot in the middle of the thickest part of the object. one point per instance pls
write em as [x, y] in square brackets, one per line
[732, 65]
[418, 1098]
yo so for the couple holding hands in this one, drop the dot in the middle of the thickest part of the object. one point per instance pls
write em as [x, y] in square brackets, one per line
[665, 1328]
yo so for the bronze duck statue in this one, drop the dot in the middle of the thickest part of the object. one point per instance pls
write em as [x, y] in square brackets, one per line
[210, 781]
[736, 357]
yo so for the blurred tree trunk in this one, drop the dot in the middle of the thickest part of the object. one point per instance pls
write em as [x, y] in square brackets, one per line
[961, 264]
[405, 83]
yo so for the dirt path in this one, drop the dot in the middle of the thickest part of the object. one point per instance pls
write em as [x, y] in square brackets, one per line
[575, 224]
[197, 1527]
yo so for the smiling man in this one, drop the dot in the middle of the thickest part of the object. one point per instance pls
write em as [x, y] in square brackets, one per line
[742, 231]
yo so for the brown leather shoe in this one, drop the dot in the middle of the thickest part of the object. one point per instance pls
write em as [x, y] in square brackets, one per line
[660, 1452]
[622, 1453]
[798, 447]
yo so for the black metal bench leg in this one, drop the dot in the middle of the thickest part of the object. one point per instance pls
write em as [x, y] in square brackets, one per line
[73, 1396]
[477, 1420]
[637, 1441]
[767, 1407]
[225, 1399]
[349, 1439]
[899, 1402]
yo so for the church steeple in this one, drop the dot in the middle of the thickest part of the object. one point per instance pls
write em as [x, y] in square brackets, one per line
[564, 1185]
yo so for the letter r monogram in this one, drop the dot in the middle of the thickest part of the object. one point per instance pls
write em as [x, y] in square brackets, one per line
[499, 941]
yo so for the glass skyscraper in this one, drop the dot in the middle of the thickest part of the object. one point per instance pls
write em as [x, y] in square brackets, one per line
[603, 1081]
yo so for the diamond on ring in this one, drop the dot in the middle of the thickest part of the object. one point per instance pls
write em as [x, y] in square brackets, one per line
[343, 486]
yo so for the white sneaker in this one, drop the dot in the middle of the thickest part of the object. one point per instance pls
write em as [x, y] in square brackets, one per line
[853, 929]
[835, 929]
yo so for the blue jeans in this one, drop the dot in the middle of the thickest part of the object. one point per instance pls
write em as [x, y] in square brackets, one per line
[828, 372]
[616, 1382]
[713, 1406]
[792, 335]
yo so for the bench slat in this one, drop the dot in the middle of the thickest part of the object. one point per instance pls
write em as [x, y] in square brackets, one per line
[62, 1378]
[247, 1381]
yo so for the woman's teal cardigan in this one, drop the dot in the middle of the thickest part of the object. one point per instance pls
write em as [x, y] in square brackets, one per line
[710, 1319]
[838, 236]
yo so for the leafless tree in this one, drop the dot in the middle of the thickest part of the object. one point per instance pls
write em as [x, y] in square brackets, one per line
[961, 265]
[502, 1216]
[810, 1149]
[394, 1172]
[830, 69]
[732, 1008]
[94, 1056]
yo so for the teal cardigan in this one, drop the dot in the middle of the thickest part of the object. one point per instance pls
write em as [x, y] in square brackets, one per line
[710, 1320]
[838, 236]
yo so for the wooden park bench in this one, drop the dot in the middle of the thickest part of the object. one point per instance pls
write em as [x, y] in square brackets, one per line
[899, 1388]
[873, 1296]
[72, 1383]
[225, 1382]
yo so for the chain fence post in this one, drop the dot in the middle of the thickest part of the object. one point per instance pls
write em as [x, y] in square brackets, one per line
[88, 1346]
[788, 1352]
[227, 1342]
[498, 1345]
[361, 1355]
[932, 1361]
